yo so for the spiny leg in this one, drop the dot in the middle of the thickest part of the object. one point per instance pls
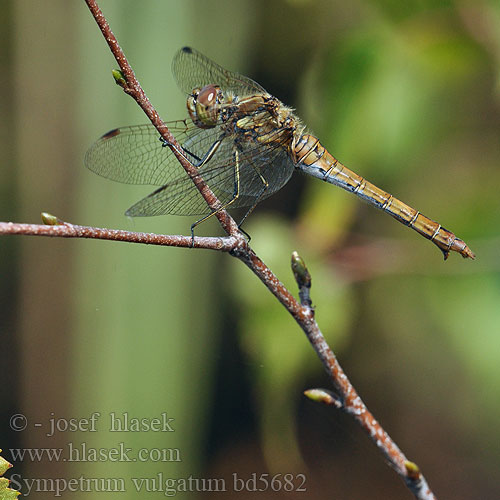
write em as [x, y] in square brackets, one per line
[199, 161]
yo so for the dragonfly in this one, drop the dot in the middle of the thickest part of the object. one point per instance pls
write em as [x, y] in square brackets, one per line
[245, 145]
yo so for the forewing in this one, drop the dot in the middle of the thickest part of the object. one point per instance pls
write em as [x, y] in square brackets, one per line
[135, 155]
[192, 69]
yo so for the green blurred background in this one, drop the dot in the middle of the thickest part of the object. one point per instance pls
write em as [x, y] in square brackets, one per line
[404, 93]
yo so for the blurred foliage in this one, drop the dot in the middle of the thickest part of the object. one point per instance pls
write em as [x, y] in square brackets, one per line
[404, 93]
[407, 96]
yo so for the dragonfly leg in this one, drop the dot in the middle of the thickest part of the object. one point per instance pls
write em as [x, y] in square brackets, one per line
[199, 161]
[209, 154]
[182, 151]
[224, 206]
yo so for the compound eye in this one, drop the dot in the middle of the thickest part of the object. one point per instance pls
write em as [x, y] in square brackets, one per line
[207, 96]
[207, 106]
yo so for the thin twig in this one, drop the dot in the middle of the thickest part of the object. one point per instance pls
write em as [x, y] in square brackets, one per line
[67, 230]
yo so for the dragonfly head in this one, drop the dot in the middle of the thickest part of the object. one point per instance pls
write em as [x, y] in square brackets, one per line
[204, 105]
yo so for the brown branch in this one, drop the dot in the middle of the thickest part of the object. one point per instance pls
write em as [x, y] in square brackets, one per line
[67, 230]
[345, 396]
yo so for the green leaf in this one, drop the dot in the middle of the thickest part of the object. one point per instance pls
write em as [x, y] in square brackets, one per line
[6, 493]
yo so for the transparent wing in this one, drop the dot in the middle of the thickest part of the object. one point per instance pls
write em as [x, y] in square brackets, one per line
[251, 166]
[192, 69]
[135, 155]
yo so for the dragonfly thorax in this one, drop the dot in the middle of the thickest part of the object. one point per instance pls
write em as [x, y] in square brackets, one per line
[204, 105]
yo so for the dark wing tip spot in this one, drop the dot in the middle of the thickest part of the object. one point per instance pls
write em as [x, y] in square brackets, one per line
[187, 50]
[111, 133]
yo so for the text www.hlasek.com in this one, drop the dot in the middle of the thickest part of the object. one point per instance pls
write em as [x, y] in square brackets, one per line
[84, 453]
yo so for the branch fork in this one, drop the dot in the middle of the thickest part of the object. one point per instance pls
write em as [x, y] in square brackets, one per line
[344, 397]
